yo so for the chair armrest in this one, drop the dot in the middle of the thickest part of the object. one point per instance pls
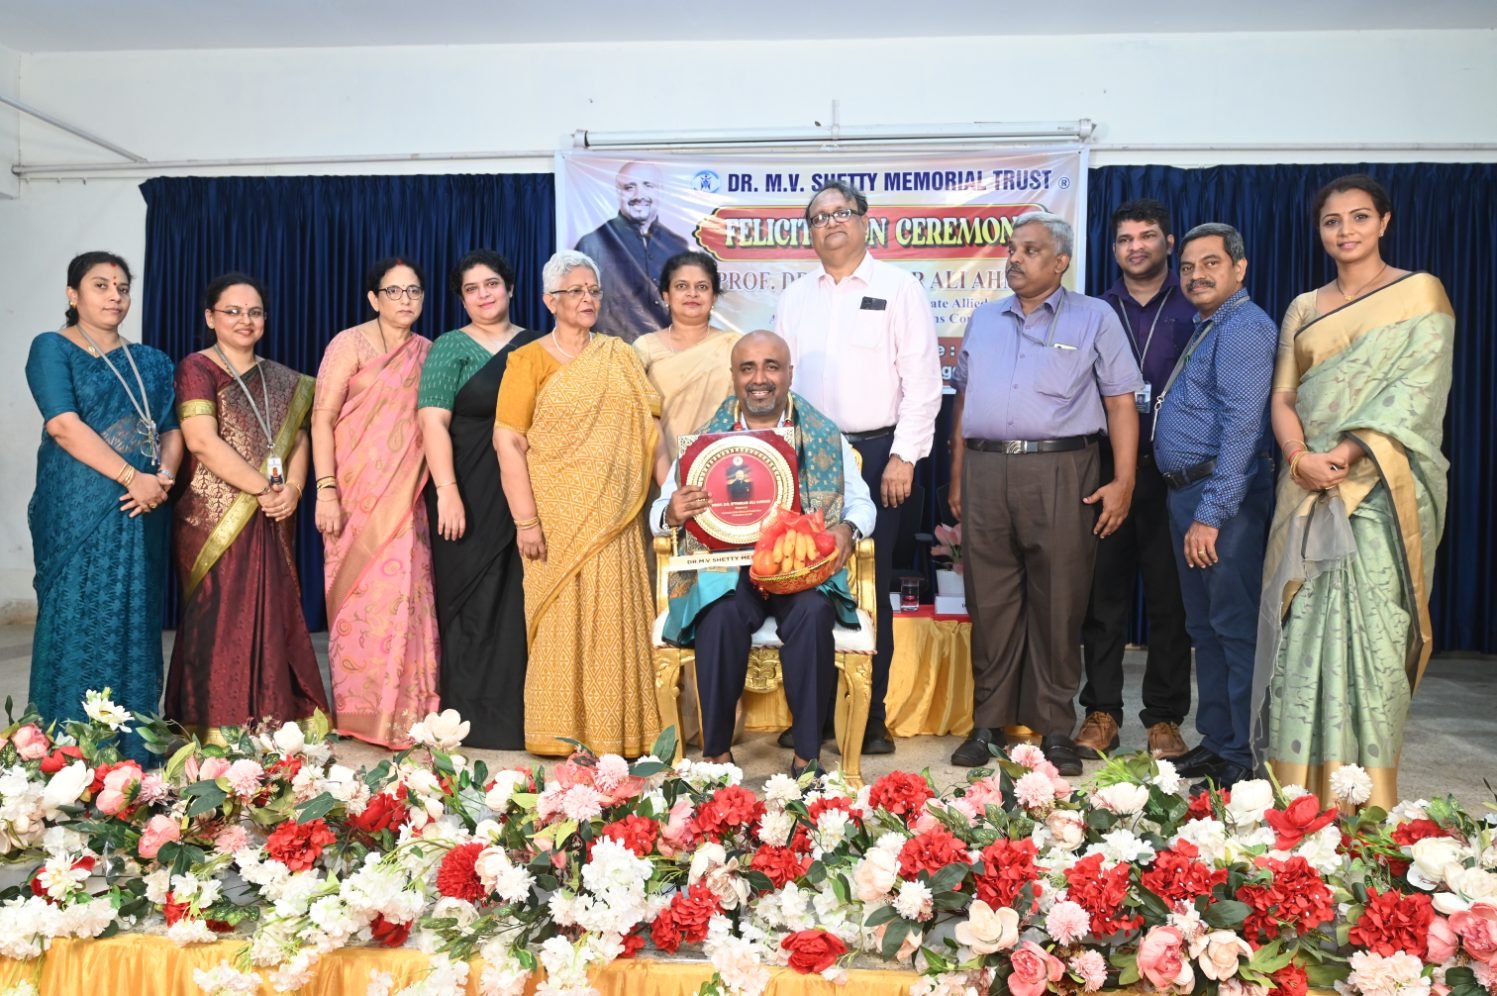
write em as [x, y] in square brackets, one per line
[860, 578]
[662, 578]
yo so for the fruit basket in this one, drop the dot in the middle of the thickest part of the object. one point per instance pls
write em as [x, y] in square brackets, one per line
[802, 580]
[794, 553]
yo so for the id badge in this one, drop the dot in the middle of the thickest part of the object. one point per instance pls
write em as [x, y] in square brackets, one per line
[1143, 398]
[275, 470]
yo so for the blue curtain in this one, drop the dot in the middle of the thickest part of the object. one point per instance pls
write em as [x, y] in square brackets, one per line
[1444, 222]
[310, 241]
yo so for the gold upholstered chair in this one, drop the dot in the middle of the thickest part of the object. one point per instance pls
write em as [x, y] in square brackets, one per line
[854, 652]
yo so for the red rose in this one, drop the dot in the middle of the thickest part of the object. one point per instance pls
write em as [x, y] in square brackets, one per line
[1296, 897]
[780, 864]
[174, 911]
[637, 833]
[1298, 820]
[930, 852]
[813, 950]
[692, 910]
[829, 802]
[390, 935]
[901, 793]
[1200, 804]
[664, 932]
[61, 758]
[1101, 894]
[456, 876]
[1178, 877]
[297, 845]
[385, 811]
[1291, 980]
[731, 808]
[286, 767]
[1392, 922]
[633, 944]
[1007, 866]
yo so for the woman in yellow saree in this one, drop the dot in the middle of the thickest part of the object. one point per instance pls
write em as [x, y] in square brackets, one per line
[577, 441]
[1359, 400]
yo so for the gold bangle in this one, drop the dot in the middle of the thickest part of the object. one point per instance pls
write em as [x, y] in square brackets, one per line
[126, 477]
[292, 484]
[327, 481]
[449, 484]
[527, 523]
[1290, 442]
[1294, 464]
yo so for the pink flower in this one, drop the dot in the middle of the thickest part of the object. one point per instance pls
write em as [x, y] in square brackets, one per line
[1477, 928]
[231, 840]
[1091, 967]
[31, 743]
[1034, 790]
[1034, 970]
[548, 803]
[119, 789]
[985, 792]
[153, 788]
[159, 830]
[1223, 950]
[245, 777]
[212, 769]
[677, 830]
[1027, 755]
[1161, 961]
[582, 803]
[1068, 922]
[1443, 943]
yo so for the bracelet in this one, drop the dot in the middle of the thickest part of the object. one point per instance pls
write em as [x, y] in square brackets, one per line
[292, 484]
[126, 474]
[169, 475]
[326, 486]
[321, 496]
[327, 481]
[527, 523]
[449, 484]
[1294, 463]
[1290, 442]
[262, 494]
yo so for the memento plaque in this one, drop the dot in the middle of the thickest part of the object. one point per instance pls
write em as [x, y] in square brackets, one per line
[745, 475]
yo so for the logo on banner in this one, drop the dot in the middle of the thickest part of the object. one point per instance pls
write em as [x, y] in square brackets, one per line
[707, 182]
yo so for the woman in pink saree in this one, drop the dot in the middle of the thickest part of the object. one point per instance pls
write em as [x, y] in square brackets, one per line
[366, 447]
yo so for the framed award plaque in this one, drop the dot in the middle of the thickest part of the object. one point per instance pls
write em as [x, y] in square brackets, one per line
[745, 475]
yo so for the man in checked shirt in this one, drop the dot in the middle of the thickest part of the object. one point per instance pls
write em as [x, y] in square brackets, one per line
[1211, 446]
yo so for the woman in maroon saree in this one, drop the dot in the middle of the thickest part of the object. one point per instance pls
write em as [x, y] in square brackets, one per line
[242, 651]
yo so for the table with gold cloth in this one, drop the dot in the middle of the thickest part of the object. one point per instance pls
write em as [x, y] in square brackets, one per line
[930, 680]
[152, 965]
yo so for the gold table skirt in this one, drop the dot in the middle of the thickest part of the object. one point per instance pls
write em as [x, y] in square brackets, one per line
[139, 964]
[930, 681]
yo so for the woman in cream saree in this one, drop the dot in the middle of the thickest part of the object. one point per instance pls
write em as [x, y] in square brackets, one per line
[1358, 406]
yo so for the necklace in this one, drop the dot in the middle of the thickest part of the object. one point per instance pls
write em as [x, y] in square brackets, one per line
[562, 349]
[1363, 288]
[150, 436]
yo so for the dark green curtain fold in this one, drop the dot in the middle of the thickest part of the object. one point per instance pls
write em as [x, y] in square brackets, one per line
[310, 241]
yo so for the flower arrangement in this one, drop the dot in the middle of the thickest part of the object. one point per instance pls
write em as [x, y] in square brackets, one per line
[1016, 880]
[948, 544]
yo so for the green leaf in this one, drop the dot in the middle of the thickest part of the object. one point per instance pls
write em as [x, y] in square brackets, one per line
[1228, 914]
[208, 798]
[841, 889]
[947, 878]
[894, 936]
[664, 747]
[1271, 957]
[1128, 974]
[179, 761]
[1100, 820]
[758, 881]
[318, 805]
[881, 915]
[317, 728]
[1327, 974]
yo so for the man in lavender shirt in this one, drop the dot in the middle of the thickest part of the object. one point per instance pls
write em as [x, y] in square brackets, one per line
[1040, 375]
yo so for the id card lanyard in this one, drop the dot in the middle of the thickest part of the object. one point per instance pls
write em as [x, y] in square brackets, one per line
[274, 470]
[1142, 396]
[143, 406]
[1195, 344]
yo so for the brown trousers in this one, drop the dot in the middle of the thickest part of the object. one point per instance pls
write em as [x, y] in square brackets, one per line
[1028, 551]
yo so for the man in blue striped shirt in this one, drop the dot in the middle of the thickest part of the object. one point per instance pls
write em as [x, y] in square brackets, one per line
[1211, 445]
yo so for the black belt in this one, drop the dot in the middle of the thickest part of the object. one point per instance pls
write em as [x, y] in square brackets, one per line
[863, 437]
[1016, 447]
[1178, 479]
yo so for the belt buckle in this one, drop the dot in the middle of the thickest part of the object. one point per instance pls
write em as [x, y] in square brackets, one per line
[1013, 447]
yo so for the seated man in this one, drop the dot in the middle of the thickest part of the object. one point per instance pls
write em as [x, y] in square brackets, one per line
[719, 610]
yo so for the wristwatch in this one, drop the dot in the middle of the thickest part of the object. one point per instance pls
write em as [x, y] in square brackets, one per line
[857, 533]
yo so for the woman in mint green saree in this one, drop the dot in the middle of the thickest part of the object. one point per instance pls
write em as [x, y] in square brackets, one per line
[1359, 400]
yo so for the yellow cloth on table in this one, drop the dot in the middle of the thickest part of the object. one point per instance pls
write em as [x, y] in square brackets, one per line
[138, 964]
[930, 682]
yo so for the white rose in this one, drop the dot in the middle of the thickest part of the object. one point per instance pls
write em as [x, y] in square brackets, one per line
[1124, 798]
[64, 788]
[503, 786]
[1250, 800]
[988, 930]
[444, 730]
[874, 877]
[1430, 858]
[289, 740]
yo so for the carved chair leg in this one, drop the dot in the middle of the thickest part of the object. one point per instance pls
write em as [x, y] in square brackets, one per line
[857, 686]
[668, 664]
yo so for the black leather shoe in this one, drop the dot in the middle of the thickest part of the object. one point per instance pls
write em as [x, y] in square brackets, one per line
[1060, 752]
[1223, 774]
[876, 740]
[1194, 762]
[974, 751]
[813, 766]
[787, 738]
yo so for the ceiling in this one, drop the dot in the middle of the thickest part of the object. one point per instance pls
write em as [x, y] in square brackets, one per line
[110, 25]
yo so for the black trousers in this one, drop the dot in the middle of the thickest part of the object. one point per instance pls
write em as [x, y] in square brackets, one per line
[875, 454]
[807, 661]
[1141, 546]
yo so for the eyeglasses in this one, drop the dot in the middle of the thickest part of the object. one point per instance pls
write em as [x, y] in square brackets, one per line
[840, 215]
[413, 292]
[234, 314]
[574, 294]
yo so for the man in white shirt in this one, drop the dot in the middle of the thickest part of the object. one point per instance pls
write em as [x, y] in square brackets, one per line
[864, 347]
[718, 611]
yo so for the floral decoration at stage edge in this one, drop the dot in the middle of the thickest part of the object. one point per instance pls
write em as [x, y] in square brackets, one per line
[1016, 881]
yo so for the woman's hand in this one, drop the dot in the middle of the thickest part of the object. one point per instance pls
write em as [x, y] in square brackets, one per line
[280, 502]
[532, 542]
[452, 518]
[143, 495]
[1319, 471]
[329, 513]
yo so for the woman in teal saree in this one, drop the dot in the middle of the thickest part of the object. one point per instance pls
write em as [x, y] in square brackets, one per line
[99, 531]
[1359, 400]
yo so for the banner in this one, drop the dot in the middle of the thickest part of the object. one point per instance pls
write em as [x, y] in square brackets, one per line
[944, 217]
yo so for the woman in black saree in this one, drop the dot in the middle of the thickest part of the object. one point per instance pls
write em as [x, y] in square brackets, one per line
[479, 574]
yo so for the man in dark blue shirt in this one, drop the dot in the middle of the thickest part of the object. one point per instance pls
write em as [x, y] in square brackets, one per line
[1211, 446]
[1159, 320]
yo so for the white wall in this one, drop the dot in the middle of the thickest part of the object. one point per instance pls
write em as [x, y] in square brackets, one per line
[1260, 89]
